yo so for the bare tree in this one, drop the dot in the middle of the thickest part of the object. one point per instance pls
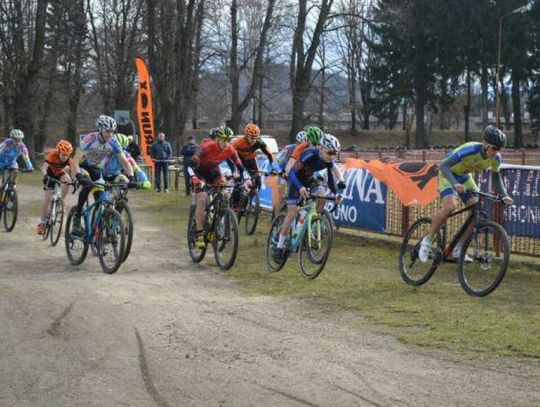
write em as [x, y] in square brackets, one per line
[22, 39]
[116, 41]
[302, 60]
[258, 50]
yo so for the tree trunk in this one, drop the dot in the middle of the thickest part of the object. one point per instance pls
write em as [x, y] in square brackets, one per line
[516, 103]
[467, 107]
[484, 96]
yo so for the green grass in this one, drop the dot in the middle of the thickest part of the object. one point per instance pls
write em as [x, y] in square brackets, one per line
[362, 276]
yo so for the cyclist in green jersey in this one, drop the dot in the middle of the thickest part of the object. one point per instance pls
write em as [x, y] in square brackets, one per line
[455, 178]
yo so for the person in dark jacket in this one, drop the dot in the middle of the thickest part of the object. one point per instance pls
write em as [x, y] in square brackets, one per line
[187, 153]
[133, 148]
[161, 153]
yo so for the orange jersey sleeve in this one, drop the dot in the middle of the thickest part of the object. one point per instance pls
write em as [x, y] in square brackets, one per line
[299, 149]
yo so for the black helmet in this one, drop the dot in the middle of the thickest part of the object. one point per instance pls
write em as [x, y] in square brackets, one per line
[494, 136]
[213, 133]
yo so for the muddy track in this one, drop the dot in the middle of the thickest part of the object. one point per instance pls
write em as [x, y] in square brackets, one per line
[165, 332]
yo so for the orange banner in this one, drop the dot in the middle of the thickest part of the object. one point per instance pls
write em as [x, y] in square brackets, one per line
[414, 183]
[144, 110]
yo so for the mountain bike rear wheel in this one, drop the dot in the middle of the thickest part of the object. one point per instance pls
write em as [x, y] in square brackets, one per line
[412, 270]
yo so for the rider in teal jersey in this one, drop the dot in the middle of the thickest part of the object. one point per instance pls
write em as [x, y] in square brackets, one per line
[455, 178]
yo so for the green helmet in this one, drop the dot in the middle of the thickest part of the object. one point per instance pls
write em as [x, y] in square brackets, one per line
[122, 140]
[314, 135]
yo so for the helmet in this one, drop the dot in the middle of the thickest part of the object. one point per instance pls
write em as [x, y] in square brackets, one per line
[330, 143]
[105, 123]
[224, 133]
[65, 147]
[122, 139]
[314, 135]
[252, 130]
[16, 134]
[213, 133]
[301, 136]
[494, 136]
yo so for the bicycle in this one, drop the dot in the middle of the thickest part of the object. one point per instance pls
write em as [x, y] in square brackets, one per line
[220, 228]
[120, 203]
[249, 203]
[311, 235]
[103, 227]
[487, 245]
[53, 223]
[9, 202]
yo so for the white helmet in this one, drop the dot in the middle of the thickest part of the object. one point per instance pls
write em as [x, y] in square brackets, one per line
[301, 136]
[330, 143]
[105, 123]
[16, 134]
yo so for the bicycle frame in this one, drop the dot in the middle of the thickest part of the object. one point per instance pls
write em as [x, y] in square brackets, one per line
[475, 216]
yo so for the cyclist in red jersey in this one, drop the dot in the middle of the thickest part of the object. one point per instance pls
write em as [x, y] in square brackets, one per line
[204, 166]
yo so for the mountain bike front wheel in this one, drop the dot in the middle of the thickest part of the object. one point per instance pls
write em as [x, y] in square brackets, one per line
[315, 246]
[124, 210]
[225, 238]
[271, 244]
[76, 244]
[252, 212]
[111, 240]
[490, 251]
[55, 222]
[10, 209]
[195, 253]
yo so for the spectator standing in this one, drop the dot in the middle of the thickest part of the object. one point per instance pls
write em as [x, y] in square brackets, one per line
[161, 153]
[187, 153]
[133, 148]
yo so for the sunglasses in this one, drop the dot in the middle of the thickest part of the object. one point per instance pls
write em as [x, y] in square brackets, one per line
[495, 148]
[331, 152]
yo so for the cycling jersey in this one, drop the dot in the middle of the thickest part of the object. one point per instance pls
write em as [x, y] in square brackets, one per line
[9, 152]
[309, 163]
[248, 151]
[56, 166]
[458, 165]
[284, 155]
[299, 149]
[210, 155]
[96, 150]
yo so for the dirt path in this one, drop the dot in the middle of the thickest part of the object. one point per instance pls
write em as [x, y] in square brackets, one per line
[164, 332]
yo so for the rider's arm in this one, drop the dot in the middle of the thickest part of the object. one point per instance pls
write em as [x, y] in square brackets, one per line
[446, 166]
[44, 168]
[125, 164]
[74, 167]
[498, 182]
[293, 178]
[264, 148]
[26, 158]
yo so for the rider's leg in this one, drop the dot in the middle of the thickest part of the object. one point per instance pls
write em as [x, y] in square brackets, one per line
[201, 198]
[65, 188]
[449, 204]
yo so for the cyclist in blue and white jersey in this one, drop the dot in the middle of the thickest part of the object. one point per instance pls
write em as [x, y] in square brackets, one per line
[303, 183]
[93, 150]
[11, 149]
